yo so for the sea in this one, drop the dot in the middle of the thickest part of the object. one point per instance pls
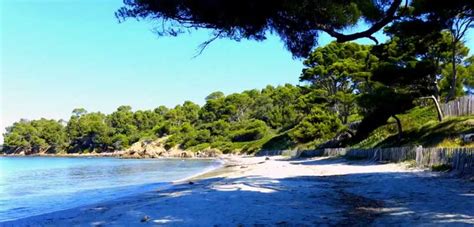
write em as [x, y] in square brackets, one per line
[32, 186]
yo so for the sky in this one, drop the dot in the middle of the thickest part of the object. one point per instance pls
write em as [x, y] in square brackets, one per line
[57, 55]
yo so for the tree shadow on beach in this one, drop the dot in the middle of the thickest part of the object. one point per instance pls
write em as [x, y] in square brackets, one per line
[332, 161]
[389, 198]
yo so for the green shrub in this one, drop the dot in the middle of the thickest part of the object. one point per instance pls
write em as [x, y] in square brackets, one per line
[279, 142]
[319, 124]
[120, 141]
[172, 141]
[249, 131]
[200, 147]
[217, 128]
[195, 137]
[225, 147]
[35, 135]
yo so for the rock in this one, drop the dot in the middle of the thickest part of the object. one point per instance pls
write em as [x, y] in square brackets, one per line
[156, 149]
[267, 158]
[209, 153]
[146, 149]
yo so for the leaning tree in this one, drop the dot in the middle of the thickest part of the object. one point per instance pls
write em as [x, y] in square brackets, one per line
[297, 23]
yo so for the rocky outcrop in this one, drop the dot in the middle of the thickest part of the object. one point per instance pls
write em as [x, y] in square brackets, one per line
[144, 149]
[208, 153]
[156, 149]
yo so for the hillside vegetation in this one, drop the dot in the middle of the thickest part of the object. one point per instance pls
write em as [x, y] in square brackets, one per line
[421, 127]
[239, 122]
[352, 95]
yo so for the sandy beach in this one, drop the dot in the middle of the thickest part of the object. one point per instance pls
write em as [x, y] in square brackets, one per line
[249, 191]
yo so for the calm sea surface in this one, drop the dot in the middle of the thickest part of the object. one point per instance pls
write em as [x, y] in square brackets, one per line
[35, 185]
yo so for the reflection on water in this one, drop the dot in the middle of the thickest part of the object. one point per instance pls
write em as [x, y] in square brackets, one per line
[35, 185]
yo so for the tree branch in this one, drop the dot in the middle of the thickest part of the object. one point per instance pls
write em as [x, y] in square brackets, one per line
[389, 17]
[204, 45]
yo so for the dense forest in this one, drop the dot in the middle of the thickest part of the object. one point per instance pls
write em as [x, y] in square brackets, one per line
[347, 92]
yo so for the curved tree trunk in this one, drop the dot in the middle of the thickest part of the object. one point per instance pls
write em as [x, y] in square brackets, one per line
[438, 108]
[400, 130]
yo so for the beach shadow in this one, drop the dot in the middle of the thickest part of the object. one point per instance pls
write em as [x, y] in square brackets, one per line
[333, 160]
[391, 197]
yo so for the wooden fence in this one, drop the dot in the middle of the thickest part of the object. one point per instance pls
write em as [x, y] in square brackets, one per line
[459, 107]
[459, 159]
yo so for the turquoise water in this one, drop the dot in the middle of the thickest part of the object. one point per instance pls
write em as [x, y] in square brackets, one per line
[35, 185]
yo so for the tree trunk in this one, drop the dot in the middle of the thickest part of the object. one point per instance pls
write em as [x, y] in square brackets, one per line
[400, 130]
[438, 109]
[437, 88]
[437, 95]
[452, 91]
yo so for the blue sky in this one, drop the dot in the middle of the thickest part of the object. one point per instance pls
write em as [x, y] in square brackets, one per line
[57, 55]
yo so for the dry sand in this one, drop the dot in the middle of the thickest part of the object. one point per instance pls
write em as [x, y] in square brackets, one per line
[251, 191]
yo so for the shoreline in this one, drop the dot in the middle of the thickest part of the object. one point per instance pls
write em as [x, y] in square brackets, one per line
[107, 155]
[110, 154]
[220, 163]
[280, 191]
[213, 171]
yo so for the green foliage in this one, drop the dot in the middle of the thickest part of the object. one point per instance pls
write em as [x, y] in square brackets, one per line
[224, 146]
[248, 131]
[89, 132]
[297, 23]
[410, 66]
[346, 83]
[421, 128]
[465, 78]
[319, 124]
[35, 136]
[186, 113]
[437, 134]
[196, 137]
[279, 142]
[285, 113]
[371, 83]
[374, 138]
[412, 120]
[251, 147]
[248, 147]
[122, 122]
[337, 73]
[215, 95]
[218, 128]
[468, 80]
[120, 141]
[146, 120]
